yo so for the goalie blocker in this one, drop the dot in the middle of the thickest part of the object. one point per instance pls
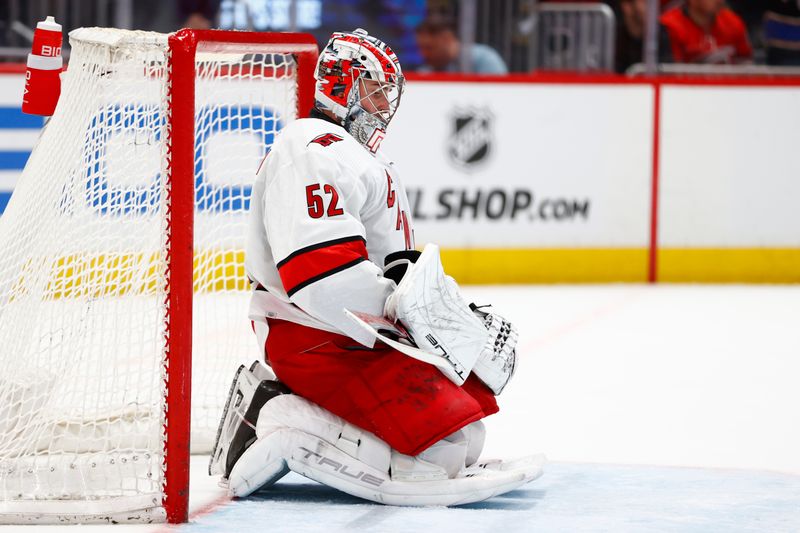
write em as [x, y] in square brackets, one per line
[267, 431]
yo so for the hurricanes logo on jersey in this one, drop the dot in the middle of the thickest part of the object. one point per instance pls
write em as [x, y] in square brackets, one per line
[326, 139]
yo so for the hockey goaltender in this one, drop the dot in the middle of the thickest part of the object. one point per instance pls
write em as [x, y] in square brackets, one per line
[383, 374]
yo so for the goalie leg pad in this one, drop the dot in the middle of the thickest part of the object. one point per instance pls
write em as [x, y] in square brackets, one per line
[294, 412]
[260, 465]
[286, 439]
[445, 458]
[330, 466]
[290, 423]
[475, 435]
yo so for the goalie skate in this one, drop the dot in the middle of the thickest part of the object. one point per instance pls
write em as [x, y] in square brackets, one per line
[250, 390]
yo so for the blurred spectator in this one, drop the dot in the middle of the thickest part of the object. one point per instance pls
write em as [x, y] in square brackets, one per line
[705, 31]
[752, 13]
[782, 32]
[440, 48]
[5, 21]
[198, 14]
[392, 21]
[666, 5]
[630, 32]
[630, 35]
[154, 15]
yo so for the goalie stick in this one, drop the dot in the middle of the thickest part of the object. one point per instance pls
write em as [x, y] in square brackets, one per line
[381, 328]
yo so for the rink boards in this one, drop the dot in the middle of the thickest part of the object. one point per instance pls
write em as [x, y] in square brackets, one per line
[573, 179]
[564, 179]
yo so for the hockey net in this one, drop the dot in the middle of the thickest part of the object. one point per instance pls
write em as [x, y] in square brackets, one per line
[107, 318]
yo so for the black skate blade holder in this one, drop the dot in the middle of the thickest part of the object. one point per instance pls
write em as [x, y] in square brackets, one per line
[245, 434]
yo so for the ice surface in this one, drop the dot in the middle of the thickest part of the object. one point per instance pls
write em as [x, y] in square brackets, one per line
[666, 375]
[570, 497]
[676, 376]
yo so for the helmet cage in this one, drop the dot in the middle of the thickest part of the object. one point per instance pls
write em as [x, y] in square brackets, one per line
[380, 98]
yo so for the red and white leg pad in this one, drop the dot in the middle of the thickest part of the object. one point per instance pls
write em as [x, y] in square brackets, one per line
[294, 434]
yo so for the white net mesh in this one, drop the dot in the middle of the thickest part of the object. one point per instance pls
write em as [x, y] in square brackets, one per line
[82, 270]
[239, 108]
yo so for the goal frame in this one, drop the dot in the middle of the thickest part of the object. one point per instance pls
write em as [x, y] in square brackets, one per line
[180, 164]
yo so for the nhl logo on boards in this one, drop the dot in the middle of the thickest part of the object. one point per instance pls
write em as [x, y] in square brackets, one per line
[470, 139]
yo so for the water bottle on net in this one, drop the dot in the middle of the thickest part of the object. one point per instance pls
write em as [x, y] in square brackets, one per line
[43, 73]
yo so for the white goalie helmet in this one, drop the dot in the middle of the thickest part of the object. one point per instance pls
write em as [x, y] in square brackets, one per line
[359, 82]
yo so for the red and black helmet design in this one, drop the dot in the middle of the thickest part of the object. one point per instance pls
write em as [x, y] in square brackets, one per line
[347, 60]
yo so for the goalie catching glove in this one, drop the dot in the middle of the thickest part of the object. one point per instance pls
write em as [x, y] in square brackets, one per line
[430, 306]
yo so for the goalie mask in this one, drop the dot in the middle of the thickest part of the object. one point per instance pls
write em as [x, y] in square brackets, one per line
[359, 82]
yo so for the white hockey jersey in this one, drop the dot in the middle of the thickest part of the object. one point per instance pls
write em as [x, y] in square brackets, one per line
[324, 213]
